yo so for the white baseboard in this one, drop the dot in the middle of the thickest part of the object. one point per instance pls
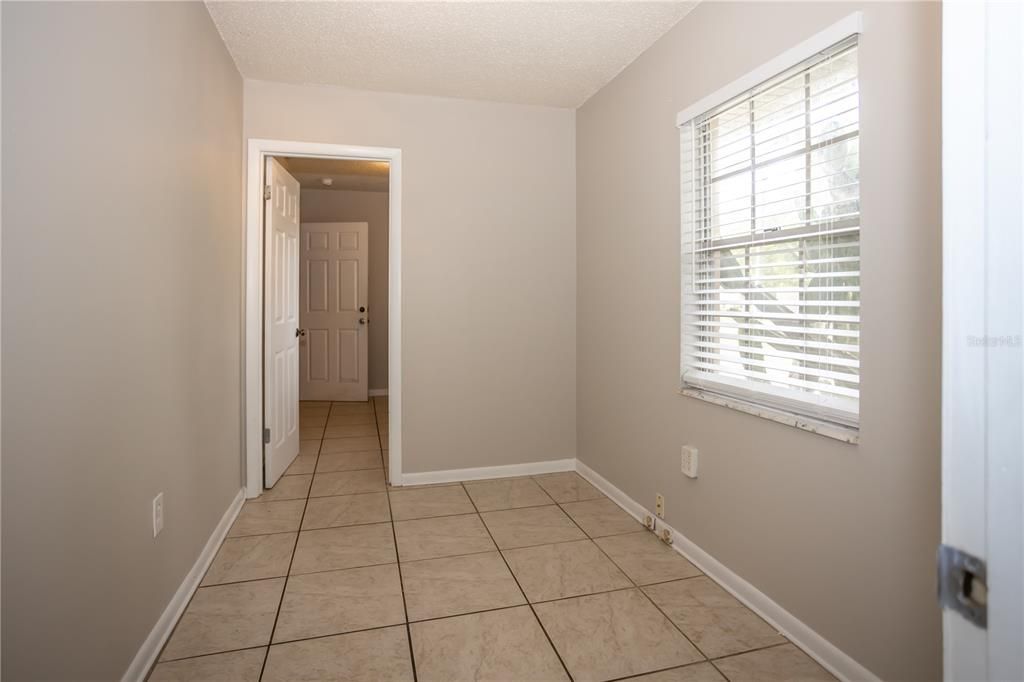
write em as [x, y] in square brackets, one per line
[147, 654]
[509, 470]
[816, 646]
[374, 392]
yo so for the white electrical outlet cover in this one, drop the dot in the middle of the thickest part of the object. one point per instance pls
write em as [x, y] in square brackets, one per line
[158, 514]
[689, 461]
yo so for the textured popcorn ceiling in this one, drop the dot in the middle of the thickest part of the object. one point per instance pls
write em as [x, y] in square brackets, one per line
[553, 53]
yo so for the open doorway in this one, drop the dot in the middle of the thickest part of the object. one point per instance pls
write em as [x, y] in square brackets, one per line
[322, 247]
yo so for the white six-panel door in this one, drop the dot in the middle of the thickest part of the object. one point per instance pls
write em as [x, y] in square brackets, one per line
[281, 344]
[333, 281]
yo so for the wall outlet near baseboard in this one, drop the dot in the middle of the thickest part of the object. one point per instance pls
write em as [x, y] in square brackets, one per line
[158, 514]
[688, 463]
[659, 505]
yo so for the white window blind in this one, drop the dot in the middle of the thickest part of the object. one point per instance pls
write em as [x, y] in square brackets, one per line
[771, 242]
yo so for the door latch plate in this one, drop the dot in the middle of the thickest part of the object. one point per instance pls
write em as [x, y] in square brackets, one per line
[962, 585]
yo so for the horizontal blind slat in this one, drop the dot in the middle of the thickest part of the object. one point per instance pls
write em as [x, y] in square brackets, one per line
[776, 353]
[777, 341]
[768, 326]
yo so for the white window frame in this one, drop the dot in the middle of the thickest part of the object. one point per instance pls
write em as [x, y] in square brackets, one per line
[740, 396]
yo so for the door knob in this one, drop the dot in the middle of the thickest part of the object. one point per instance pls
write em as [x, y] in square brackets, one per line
[300, 332]
[363, 320]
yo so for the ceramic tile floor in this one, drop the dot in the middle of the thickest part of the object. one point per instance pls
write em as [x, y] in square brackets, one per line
[334, 575]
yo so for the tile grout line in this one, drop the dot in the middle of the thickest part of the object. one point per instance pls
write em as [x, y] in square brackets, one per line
[470, 613]
[663, 670]
[520, 587]
[398, 559]
[157, 661]
[295, 547]
[636, 586]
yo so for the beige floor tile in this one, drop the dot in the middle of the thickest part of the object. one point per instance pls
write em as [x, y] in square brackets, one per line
[717, 623]
[307, 420]
[697, 672]
[340, 601]
[288, 488]
[567, 487]
[645, 558]
[615, 634]
[601, 517]
[531, 526]
[237, 666]
[309, 447]
[303, 464]
[358, 444]
[251, 558]
[311, 433]
[779, 664]
[566, 569]
[226, 617]
[349, 461]
[348, 483]
[446, 587]
[346, 510]
[261, 518]
[442, 536]
[371, 656]
[340, 420]
[351, 408]
[500, 646]
[427, 502]
[332, 549]
[509, 493]
[351, 431]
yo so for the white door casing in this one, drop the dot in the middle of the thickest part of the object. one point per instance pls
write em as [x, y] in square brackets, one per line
[983, 326]
[333, 311]
[253, 384]
[281, 296]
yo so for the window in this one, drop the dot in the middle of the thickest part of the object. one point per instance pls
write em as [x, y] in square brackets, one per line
[771, 242]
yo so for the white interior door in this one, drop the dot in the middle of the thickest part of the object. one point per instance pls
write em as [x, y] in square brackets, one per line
[333, 282]
[983, 327]
[281, 311]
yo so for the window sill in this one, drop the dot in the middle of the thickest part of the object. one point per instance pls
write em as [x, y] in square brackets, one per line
[846, 434]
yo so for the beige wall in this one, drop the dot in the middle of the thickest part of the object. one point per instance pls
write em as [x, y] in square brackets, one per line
[488, 242]
[122, 164]
[842, 536]
[335, 205]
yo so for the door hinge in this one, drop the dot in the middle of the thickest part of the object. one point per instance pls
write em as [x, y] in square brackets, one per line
[962, 586]
[266, 436]
[266, 193]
